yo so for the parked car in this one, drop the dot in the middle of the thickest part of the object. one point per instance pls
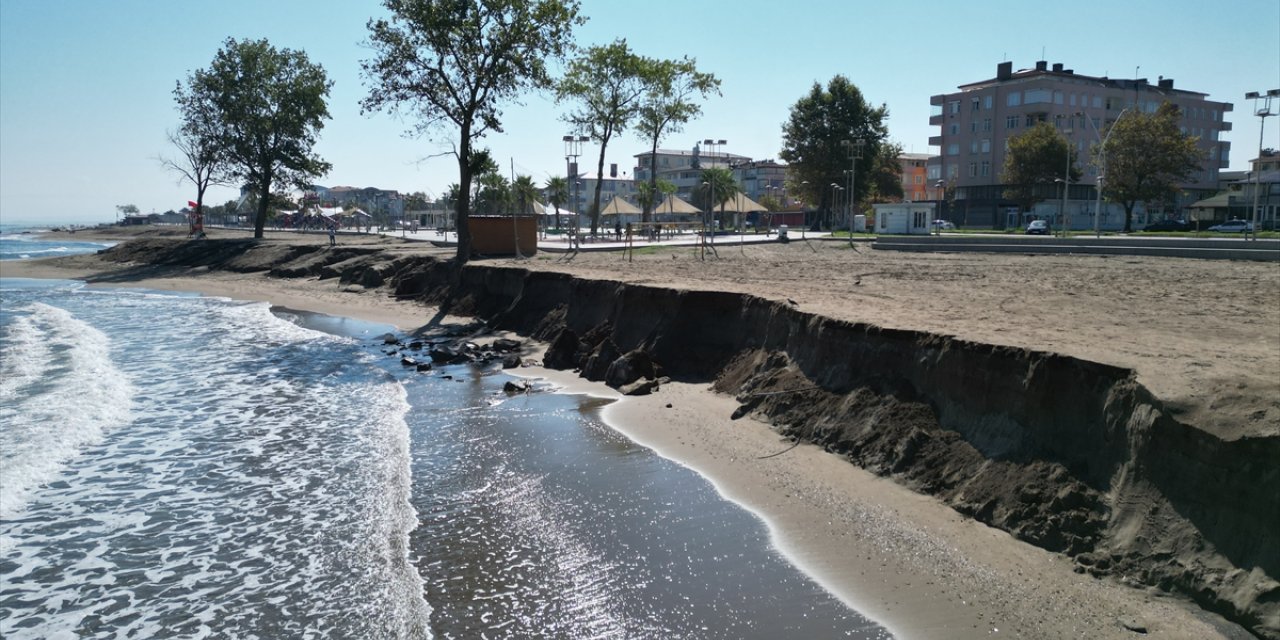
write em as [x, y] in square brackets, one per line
[1232, 226]
[1038, 227]
[1169, 225]
[945, 225]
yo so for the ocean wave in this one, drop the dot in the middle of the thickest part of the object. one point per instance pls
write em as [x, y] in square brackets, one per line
[61, 392]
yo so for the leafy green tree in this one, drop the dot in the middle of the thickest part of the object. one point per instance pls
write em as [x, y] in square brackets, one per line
[649, 194]
[266, 107]
[771, 203]
[886, 175]
[717, 186]
[1148, 156]
[493, 193]
[1037, 158]
[814, 140]
[525, 193]
[416, 201]
[457, 62]
[606, 83]
[557, 190]
[126, 210]
[668, 104]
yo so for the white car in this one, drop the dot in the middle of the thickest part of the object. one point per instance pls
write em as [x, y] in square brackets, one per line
[945, 225]
[1233, 226]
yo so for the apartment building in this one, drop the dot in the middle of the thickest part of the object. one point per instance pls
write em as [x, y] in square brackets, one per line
[677, 167]
[977, 121]
[915, 184]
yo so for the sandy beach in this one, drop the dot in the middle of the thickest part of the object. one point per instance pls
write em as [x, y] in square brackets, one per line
[1204, 336]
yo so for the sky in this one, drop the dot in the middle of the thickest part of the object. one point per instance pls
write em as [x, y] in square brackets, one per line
[86, 87]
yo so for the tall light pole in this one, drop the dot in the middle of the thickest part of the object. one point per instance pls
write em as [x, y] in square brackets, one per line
[1257, 173]
[573, 149]
[714, 144]
[1102, 166]
[804, 215]
[1066, 178]
[835, 195]
[855, 152]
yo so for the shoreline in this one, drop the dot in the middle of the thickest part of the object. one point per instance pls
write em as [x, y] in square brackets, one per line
[900, 558]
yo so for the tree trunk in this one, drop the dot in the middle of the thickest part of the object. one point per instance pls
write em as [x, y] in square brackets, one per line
[1128, 216]
[463, 205]
[264, 201]
[647, 216]
[595, 208]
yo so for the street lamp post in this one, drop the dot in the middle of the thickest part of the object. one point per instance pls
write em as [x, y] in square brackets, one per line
[573, 149]
[714, 144]
[1102, 166]
[835, 196]
[855, 152]
[1257, 173]
[804, 215]
[1066, 178]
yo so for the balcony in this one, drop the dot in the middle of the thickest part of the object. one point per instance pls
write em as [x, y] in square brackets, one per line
[1226, 126]
[935, 141]
[937, 119]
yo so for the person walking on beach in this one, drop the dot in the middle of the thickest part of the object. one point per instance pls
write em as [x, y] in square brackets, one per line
[333, 234]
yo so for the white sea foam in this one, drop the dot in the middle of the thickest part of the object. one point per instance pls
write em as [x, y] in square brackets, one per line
[266, 463]
[82, 395]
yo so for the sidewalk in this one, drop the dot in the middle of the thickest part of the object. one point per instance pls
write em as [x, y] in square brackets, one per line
[609, 242]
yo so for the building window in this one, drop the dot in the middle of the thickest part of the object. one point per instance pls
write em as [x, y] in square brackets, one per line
[973, 147]
[953, 149]
[986, 124]
[1057, 97]
[954, 106]
[1036, 96]
[973, 127]
[1011, 122]
[986, 145]
[986, 168]
[1031, 121]
[955, 128]
[973, 169]
[1014, 99]
[986, 102]
[934, 172]
[977, 104]
[1072, 101]
[952, 171]
[1111, 104]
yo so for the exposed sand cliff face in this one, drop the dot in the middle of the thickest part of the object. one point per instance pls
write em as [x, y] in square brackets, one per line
[1074, 456]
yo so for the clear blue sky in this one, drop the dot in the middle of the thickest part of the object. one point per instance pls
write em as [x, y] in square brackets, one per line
[86, 86]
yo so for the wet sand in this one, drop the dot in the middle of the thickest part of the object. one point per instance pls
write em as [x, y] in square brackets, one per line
[903, 559]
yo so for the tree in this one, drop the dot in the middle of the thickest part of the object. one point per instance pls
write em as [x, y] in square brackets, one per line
[667, 105]
[1148, 156]
[885, 177]
[199, 162]
[607, 82]
[457, 62]
[264, 108]
[557, 189]
[525, 193]
[717, 187]
[126, 210]
[1037, 158]
[814, 140]
[649, 194]
[493, 193]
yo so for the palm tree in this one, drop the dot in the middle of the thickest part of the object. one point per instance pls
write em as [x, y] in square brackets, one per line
[494, 193]
[525, 192]
[718, 187]
[557, 189]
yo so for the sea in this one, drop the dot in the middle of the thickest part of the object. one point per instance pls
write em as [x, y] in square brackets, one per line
[180, 466]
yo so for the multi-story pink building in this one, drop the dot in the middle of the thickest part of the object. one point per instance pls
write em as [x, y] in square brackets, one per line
[977, 121]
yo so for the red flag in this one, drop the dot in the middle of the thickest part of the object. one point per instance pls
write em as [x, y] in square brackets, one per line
[191, 204]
